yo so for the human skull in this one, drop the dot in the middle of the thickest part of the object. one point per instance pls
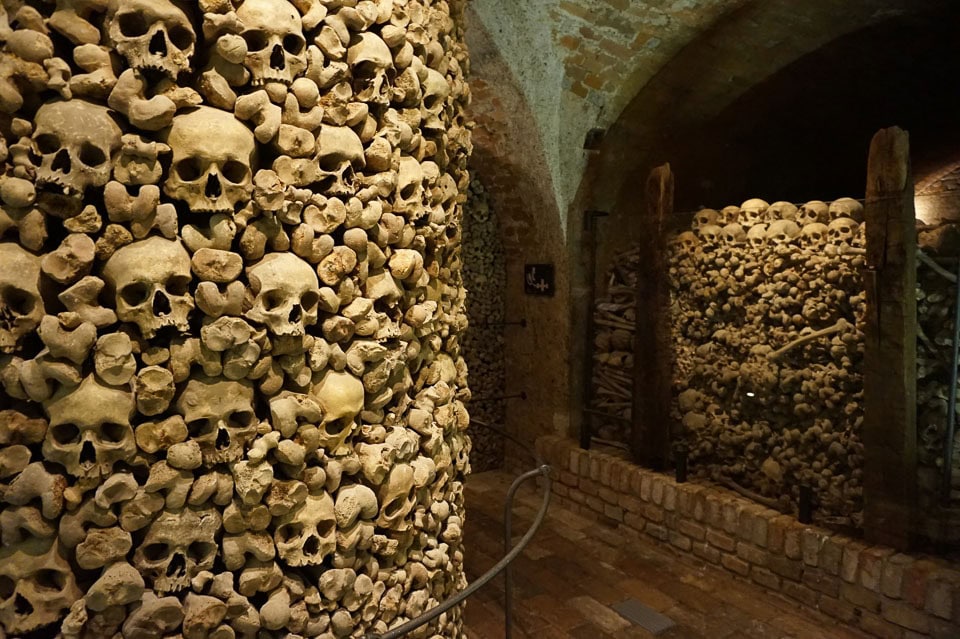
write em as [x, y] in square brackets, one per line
[37, 586]
[813, 211]
[152, 35]
[842, 231]
[782, 211]
[813, 236]
[219, 416]
[703, 217]
[72, 158]
[371, 63]
[409, 198]
[753, 212]
[213, 161]
[686, 243]
[276, 48]
[21, 307]
[733, 235]
[397, 497]
[757, 236]
[286, 294]
[177, 547]
[339, 157]
[782, 232]
[846, 207]
[151, 281]
[340, 396]
[729, 215]
[436, 90]
[710, 235]
[308, 534]
[90, 429]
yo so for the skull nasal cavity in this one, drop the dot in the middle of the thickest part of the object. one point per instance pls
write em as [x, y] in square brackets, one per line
[312, 545]
[213, 189]
[161, 305]
[61, 162]
[277, 59]
[88, 454]
[177, 566]
[158, 44]
[21, 606]
[223, 439]
[295, 314]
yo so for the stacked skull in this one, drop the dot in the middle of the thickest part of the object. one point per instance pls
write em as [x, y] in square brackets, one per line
[767, 305]
[231, 388]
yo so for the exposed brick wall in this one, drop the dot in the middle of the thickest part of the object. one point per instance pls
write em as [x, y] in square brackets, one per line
[884, 593]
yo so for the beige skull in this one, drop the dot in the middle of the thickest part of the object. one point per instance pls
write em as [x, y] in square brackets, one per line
[177, 547]
[340, 396]
[686, 243]
[753, 211]
[151, 280]
[152, 35]
[409, 199]
[813, 211]
[213, 161]
[782, 232]
[219, 416]
[729, 215]
[842, 231]
[339, 159]
[813, 236]
[704, 217]
[710, 235]
[287, 294]
[72, 158]
[733, 235]
[37, 586]
[397, 498]
[782, 211]
[846, 207]
[21, 307]
[436, 90]
[371, 63]
[307, 535]
[90, 429]
[757, 236]
[276, 48]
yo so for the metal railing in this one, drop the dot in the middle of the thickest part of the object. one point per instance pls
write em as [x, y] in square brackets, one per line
[542, 470]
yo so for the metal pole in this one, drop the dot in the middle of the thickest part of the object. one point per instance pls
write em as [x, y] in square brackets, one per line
[433, 613]
[951, 403]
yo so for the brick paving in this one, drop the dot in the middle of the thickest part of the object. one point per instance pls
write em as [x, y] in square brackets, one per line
[575, 569]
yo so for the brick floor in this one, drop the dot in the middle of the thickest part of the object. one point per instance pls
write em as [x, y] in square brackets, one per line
[574, 570]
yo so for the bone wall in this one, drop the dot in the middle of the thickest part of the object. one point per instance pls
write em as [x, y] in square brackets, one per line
[485, 277]
[766, 307]
[231, 307]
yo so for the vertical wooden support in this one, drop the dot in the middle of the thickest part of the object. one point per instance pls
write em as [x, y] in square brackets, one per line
[652, 368]
[890, 375]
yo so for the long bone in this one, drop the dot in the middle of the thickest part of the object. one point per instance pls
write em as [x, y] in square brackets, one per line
[841, 326]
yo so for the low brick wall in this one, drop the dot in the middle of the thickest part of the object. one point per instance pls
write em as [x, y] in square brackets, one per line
[882, 592]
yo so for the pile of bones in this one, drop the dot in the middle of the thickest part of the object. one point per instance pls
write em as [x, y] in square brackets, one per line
[231, 390]
[767, 304]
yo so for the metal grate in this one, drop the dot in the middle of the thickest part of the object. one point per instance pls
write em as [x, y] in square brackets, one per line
[644, 616]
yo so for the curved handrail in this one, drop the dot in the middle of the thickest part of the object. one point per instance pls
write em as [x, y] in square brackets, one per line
[543, 470]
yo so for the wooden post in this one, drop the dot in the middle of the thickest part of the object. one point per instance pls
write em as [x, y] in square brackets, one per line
[652, 367]
[890, 368]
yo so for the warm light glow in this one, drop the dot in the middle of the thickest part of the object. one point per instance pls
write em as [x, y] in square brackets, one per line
[925, 208]
[751, 394]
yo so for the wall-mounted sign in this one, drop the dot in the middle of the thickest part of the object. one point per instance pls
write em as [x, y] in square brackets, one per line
[538, 279]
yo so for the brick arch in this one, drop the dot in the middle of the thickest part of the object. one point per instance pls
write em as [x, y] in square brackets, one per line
[509, 159]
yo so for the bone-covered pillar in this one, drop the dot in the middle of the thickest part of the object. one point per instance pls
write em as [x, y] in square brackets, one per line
[231, 388]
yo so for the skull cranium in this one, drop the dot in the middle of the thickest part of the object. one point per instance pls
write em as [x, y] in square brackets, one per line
[757, 236]
[782, 232]
[287, 294]
[846, 207]
[219, 416]
[307, 535]
[710, 235]
[733, 235]
[753, 211]
[73, 158]
[813, 236]
[178, 545]
[151, 279]
[686, 243]
[21, 307]
[703, 217]
[842, 231]
[813, 211]
[152, 35]
[90, 429]
[372, 66]
[213, 161]
[339, 158]
[37, 586]
[782, 211]
[276, 48]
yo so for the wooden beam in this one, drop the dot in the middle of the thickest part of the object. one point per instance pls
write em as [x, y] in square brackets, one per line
[890, 369]
[652, 360]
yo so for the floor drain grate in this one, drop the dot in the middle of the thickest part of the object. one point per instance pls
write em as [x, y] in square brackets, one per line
[644, 616]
